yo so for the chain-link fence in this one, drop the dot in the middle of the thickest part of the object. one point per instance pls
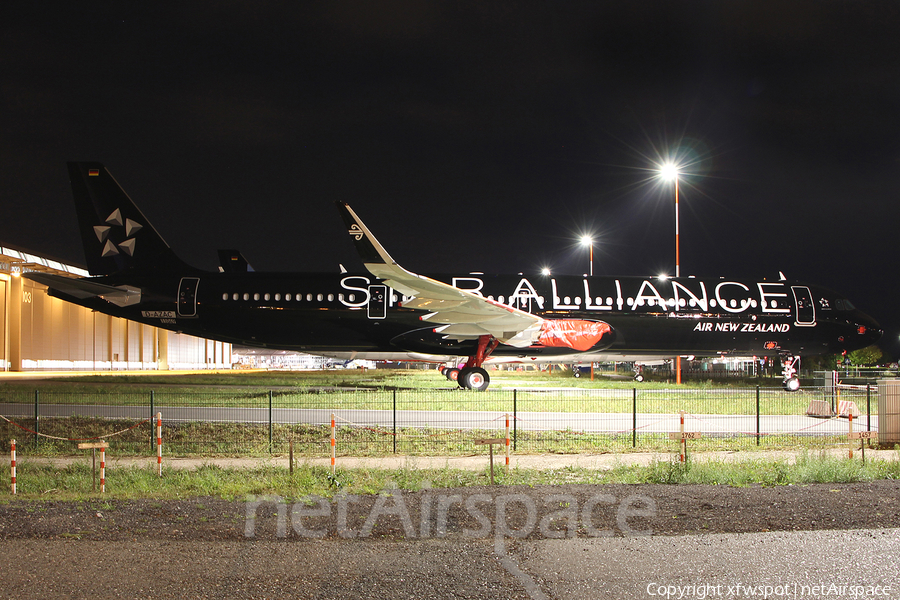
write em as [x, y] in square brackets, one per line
[434, 422]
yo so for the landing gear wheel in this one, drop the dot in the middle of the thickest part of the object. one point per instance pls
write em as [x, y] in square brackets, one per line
[792, 384]
[474, 378]
[451, 374]
[639, 378]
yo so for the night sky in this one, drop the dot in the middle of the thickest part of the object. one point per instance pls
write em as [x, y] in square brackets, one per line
[472, 136]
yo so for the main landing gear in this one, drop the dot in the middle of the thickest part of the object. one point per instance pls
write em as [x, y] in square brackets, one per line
[789, 366]
[472, 376]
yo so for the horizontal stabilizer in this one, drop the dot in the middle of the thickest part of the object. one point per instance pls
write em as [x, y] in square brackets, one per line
[232, 261]
[83, 289]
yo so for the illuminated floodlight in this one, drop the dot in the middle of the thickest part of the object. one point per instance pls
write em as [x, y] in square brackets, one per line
[545, 271]
[669, 171]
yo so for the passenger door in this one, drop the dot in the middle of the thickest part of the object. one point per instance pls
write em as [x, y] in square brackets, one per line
[378, 301]
[187, 296]
[805, 310]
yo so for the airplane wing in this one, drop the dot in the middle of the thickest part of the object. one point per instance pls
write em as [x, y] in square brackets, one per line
[83, 288]
[460, 314]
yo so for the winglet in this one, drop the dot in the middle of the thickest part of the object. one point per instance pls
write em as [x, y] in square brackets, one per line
[370, 250]
[375, 258]
[466, 315]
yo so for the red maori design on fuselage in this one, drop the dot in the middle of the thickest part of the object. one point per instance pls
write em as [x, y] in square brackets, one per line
[572, 333]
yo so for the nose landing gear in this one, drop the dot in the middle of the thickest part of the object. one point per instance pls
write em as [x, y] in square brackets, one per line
[789, 366]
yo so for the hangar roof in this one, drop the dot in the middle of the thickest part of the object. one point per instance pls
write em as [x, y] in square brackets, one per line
[19, 261]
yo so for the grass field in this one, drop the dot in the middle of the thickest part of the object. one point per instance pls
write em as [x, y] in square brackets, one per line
[517, 392]
[375, 379]
[407, 390]
[525, 391]
[40, 482]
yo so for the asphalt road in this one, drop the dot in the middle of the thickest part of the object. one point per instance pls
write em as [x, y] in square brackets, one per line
[534, 421]
[795, 565]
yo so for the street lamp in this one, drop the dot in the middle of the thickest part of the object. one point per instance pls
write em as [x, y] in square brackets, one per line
[587, 241]
[669, 171]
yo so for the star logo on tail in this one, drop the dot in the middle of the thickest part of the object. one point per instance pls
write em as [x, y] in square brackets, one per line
[103, 232]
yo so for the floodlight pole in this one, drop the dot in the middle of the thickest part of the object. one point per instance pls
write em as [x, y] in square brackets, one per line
[677, 274]
[591, 244]
[677, 254]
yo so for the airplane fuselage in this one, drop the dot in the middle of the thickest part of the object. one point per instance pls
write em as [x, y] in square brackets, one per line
[479, 317]
[334, 313]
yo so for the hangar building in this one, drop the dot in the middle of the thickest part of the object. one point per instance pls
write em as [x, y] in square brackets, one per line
[41, 333]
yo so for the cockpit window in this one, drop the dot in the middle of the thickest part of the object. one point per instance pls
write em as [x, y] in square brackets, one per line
[844, 304]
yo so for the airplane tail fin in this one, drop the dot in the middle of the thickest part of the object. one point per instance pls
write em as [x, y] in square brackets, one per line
[116, 235]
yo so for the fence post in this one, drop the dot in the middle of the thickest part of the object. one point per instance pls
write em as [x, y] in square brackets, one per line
[270, 421]
[868, 407]
[757, 415]
[395, 421]
[515, 419]
[36, 419]
[634, 417]
[507, 442]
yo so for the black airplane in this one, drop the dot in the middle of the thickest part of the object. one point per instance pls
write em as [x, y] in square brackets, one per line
[390, 313]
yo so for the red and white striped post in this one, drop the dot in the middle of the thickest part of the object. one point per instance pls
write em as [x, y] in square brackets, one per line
[850, 425]
[102, 470]
[12, 466]
[683, 441]
[332, 444]
[159, 444]
[507, 441]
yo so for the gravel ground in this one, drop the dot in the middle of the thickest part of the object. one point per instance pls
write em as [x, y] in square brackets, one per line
[491, 542]
[475, 512]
